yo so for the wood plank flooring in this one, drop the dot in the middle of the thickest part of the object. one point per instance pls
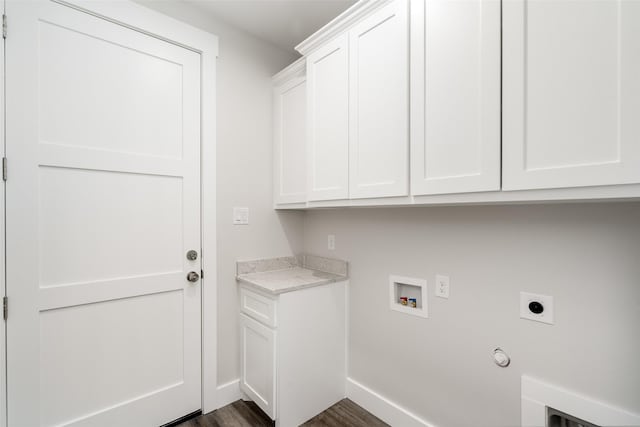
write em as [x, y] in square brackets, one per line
[247, 414]
[345, 414]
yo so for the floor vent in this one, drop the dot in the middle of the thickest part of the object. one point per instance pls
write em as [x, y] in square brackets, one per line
[556, 418]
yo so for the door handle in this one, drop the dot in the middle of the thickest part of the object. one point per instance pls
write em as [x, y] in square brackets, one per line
[193, 277]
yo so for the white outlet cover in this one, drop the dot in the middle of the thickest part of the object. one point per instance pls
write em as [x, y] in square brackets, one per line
[442, 286]
[331, 242]
[546, 316]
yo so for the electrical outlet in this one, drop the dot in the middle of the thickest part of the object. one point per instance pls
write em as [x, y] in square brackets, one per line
[538, 308]
[331, 242]
[240, 216]
[442, 286]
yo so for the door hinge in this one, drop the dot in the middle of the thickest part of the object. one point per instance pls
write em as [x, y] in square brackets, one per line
[5, 307]
[4, 26]
[4, 168]
[202, 274]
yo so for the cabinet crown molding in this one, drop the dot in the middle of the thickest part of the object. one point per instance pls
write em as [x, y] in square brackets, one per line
[297, 69]
[339, 24]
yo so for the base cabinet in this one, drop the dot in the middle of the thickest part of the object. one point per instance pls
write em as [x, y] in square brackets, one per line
[293, 350]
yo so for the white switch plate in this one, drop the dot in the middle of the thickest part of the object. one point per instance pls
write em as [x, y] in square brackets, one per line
[546, 316]
[331, 242]
[240, 216]
[442, 286]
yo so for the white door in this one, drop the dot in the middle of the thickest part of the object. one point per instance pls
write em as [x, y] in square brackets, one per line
[379, 104]
[328, 121]
[103, 202]
[290, 134]
[455, 96]
[570, 93]
[258, 364]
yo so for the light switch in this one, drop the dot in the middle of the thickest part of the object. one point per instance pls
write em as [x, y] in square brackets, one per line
[240, 216]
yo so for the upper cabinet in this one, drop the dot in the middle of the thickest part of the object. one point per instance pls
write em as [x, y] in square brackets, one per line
[571, 93]
[328, 121]
[455, 96]
[379, 104]
[358, 108]
[474, 101]
[289, 135]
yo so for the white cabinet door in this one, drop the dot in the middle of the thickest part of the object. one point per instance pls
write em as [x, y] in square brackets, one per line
[258, 363]
[571, 93]
[328, 121]
[290, 179]
[103, 201]
[378, 104]
[455, 96]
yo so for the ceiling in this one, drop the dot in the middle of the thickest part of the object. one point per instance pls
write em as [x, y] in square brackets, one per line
[284, 23]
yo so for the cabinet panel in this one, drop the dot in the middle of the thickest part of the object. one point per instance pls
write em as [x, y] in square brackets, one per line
[571, 93]
[290, 107]
[379, 117]
[311, 351]
[328, 121]
[257, 364]
[455, 96]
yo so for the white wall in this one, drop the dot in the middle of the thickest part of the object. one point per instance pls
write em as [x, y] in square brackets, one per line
[587, 256]
[244, 166]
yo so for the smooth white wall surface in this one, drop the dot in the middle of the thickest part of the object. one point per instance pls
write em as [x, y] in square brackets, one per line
[244, 165]
[587, 256]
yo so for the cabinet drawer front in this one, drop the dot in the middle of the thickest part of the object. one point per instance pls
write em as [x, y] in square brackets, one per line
[259, 307]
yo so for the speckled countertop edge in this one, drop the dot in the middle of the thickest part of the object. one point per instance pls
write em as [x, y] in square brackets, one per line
[260, 273]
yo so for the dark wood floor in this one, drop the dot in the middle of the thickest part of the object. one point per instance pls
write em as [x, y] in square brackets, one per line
[247, 414]
[345, 413]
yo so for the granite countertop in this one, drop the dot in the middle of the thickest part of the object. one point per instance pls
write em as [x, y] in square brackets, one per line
[287, 274]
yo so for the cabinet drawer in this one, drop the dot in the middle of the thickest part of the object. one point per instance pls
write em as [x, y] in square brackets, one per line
[257, 306]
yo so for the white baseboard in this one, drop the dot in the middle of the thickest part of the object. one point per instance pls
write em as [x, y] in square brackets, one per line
[388, 411]
[229, 393]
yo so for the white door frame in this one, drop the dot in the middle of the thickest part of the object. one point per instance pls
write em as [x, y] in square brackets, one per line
[3, 285]
[142, 19]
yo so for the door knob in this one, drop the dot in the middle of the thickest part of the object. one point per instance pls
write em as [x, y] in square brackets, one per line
[192, 255]
[193, 277]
